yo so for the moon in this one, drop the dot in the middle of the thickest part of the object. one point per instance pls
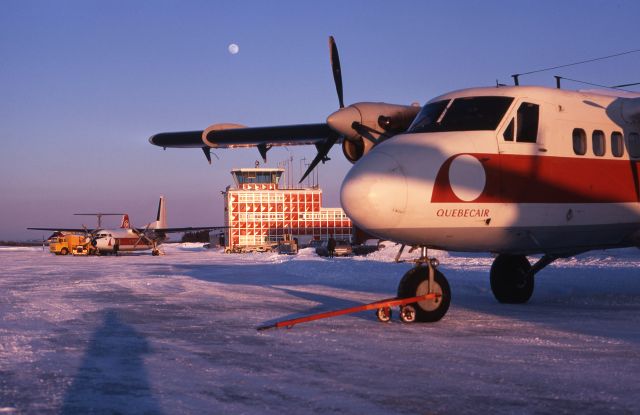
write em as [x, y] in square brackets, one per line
[234, 49]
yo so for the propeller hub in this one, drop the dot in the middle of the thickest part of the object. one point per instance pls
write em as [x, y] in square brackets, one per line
[342, 120]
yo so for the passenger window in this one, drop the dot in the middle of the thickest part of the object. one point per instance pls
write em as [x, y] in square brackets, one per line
[597, 142]
[508, 133]
[617, 144]
[634, 145]
[527, 123]
[579, 141]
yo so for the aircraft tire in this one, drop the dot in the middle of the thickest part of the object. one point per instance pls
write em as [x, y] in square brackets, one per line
[415, 282]
[155, 252]
[509, 281]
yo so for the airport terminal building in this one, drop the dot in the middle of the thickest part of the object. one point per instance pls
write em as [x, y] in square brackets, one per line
[260, 213]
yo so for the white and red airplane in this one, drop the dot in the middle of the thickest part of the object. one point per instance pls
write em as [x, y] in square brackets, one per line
[514, 171]
[127, 238]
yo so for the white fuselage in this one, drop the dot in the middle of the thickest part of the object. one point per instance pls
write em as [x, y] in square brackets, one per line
[500, 190]
[125, 239]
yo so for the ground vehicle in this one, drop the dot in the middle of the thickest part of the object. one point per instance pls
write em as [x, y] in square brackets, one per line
[253, 248]
[343, 248]
[315, 243]
[288, 245]
[84, 249]
[65, 244]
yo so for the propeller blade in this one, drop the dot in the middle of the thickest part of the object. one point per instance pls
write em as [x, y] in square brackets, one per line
[335, 68]
[142, 235]
[323, 150]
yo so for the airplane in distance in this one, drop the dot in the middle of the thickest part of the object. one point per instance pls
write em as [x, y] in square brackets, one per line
[127, 238]
[514, 171]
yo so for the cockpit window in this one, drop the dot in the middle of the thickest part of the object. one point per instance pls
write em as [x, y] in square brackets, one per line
[429, 115]
[528, 115]
[461, 114]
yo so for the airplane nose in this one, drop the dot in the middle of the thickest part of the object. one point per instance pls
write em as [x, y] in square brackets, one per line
[374, 193]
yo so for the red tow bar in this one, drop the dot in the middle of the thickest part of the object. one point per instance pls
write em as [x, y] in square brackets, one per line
[389, 302]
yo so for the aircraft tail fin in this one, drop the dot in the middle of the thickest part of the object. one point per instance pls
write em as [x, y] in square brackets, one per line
[161, 217]
[124, 223]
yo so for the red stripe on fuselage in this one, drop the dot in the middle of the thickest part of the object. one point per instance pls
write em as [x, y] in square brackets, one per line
[131, 241]
[512, 178]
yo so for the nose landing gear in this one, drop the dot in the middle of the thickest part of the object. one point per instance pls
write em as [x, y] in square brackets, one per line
[420, 280]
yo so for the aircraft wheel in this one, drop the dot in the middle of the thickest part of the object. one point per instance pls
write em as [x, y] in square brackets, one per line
[510, 283]
[416, 282]
[384, 314]
[64, 251]
[155, 252]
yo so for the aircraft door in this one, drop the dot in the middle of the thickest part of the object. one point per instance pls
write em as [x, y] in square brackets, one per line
[520, 145]
[521, 133]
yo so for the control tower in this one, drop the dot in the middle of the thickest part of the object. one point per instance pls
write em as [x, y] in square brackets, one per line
[259, 213]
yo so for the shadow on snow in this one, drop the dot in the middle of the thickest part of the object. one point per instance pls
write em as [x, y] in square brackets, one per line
[112, 377]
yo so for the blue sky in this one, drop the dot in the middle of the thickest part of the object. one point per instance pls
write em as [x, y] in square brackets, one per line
[83, 84]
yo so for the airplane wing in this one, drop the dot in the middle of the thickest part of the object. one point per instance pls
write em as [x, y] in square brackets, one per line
[284, 135]
[88, 230]
[235, 135]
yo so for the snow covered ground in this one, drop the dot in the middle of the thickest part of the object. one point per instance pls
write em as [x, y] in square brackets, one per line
[176, 334]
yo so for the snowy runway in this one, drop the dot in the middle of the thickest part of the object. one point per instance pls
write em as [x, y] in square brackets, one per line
[176, 334]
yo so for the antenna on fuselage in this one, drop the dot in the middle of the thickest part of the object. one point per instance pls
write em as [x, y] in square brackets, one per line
[558, 78]
[516, 80]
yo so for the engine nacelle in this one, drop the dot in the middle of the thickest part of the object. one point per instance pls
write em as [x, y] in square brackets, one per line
[364, 124]
[354, 149]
